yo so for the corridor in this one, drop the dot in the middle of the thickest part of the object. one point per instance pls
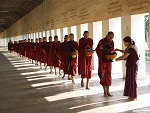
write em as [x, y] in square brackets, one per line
[24, 88]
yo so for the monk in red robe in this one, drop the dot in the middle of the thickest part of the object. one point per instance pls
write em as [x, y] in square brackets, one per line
[44, 52]
[32, 50]
[61, 49]
[39, 50]
[73, 48]
[55, 52]
[65, 56]
[28, 49]
[10, 46]
[36, 48]
[84, 61]
[49, 54]
[105, 46]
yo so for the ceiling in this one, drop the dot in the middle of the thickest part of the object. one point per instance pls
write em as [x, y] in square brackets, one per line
[12, 10]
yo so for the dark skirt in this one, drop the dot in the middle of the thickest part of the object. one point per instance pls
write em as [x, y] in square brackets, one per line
[131, 82]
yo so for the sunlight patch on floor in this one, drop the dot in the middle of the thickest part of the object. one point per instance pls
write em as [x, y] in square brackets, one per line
[122, 107]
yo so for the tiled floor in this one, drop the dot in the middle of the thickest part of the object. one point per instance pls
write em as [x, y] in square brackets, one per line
[24, 88]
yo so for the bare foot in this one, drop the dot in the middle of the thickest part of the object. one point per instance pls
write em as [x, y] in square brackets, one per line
[69, 78]
[109, 95]
[63, 77]
[82, 84]
[105, 95]
[132, 99]
[87, 88]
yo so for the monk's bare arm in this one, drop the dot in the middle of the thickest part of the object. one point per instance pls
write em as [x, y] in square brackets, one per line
[123, 57]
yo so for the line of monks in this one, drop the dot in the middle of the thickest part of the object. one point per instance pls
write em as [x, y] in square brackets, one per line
[68, 56]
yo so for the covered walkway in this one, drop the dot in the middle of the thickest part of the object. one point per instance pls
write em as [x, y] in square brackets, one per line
[24, 88]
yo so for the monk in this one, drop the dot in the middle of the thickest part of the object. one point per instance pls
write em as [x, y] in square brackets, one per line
[66, 38]
[32, 50]
[36, 51]
[132, 56]
[39, 50]
[44, 52]
[49, 54]
[105, 67]
[55, 52]
[65, 56]
[73, 47]
[10, 47]
[28, 49]
[84, 61]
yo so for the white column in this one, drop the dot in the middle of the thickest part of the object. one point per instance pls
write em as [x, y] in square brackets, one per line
[37, 35]
[34, 36]
[44, 33]
[78, 30]
[40, 35]
[74, 31]
[105, 28]
[84, 27]
[126, 31]
[90, 29]
[69, 30]
[53, 33]
[97, 36]
[65, 31]
[61, 34]
[115, 26]
[138, 35]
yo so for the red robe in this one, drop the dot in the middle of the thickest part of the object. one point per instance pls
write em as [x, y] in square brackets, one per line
[44, 52]
[32, 51]
[49, 53]
[64, 57]
[55, 54]
[104, 70]
[85, 62]
[10, 46]
[72, 61]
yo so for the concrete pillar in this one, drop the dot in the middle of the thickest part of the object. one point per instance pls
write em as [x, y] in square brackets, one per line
[78, 30]
[52, 33]
[115, 26]
[97, 36]
[74, 31]
[84, 27]
[105, 28]
[69, 30]
[126, 31]
[65, 31]
[138, 35]
[37, 35]
[61, 34]
[55, 31]
[90, 29]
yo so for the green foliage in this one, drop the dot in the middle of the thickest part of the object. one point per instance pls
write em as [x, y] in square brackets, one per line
[146, 19]
[147, 55]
